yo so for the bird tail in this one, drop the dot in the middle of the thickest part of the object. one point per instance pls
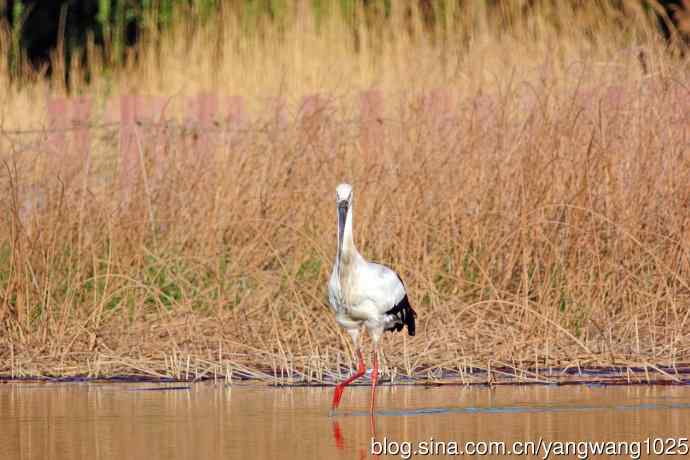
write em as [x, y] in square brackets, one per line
[405, 316]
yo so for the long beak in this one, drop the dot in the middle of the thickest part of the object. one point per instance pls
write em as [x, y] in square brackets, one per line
[342, 215]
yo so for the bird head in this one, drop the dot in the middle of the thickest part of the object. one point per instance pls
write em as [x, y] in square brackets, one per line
[343, 195]
[343, 199]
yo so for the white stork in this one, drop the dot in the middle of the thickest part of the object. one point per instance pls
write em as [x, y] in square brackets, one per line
[363, 293]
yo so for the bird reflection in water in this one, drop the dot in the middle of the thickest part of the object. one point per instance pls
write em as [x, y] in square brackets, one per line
[340, 441]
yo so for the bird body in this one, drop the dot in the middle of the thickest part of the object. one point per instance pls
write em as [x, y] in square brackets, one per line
[363, 293]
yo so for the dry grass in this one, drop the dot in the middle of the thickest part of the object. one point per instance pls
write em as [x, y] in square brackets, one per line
[529, 184]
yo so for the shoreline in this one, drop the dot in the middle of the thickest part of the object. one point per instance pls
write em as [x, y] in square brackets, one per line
[678, 375]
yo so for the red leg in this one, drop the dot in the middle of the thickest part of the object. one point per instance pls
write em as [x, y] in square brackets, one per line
[374, 379]
[338, 393]
[372, 421]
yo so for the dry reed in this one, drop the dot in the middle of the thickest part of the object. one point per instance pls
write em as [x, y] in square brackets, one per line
[528, 181]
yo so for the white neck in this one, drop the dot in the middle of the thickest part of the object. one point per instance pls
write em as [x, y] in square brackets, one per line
[347, 252]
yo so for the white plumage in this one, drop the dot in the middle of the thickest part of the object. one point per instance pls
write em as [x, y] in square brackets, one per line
[363, 293]
[367, 293]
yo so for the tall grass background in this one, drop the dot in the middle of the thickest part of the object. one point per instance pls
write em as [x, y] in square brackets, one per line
[526, 174]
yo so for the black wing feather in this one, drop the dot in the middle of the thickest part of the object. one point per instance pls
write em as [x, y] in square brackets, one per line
[405, 313]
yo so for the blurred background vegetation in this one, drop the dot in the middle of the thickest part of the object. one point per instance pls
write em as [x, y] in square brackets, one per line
[42, 33]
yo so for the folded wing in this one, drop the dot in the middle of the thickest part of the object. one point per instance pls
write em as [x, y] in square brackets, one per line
[387, 291]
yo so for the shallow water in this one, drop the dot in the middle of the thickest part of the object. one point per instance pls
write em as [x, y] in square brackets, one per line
[205, 421]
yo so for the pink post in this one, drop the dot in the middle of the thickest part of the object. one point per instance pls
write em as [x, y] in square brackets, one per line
[235, 119]
[81, 117]
[129, 154]
[439, 109]
[235, 114]
[156, 107]
[57, 128]
[614, 97]
[280, 117]
[371, 122]
[311, 114]
[484, 110]
[207, 106]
